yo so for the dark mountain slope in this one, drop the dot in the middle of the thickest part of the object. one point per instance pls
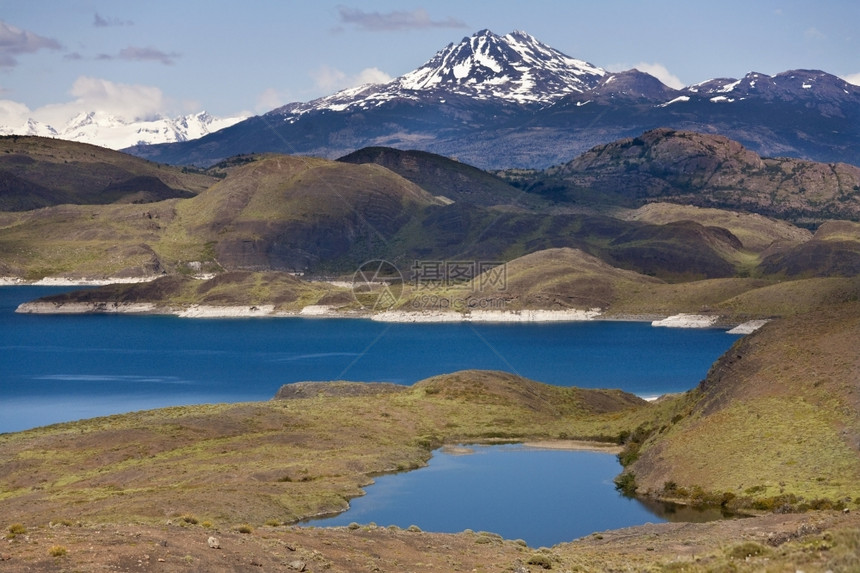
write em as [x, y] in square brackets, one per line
[39, 172]
[445, 177]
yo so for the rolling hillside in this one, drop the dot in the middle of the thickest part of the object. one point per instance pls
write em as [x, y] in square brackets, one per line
[40, 172]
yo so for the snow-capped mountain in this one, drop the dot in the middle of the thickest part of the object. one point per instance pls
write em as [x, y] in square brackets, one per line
[515, 68]
[512, 101]
[113, 132]
[790, 85]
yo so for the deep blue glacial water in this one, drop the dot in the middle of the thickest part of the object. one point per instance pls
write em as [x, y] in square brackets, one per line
[56, 368]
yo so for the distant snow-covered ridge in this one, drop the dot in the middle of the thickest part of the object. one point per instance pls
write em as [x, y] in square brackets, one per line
[106, 130]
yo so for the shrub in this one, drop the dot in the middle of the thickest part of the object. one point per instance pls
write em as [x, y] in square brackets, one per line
[16, 529]
[414, 529]
[57, 551]
[540, 560]
[244, 529]
[626, 483]
[273, 522]
[188, 520]
[746, 549]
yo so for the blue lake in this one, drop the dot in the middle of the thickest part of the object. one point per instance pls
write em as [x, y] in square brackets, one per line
[56, 368]
[543, 497]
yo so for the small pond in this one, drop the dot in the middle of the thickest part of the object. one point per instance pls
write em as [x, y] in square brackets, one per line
[542, 496]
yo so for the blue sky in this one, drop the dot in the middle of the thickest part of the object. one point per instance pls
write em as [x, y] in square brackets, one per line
[141, 58]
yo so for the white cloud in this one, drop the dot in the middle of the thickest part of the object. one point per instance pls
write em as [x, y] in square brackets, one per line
[329, 80]
[852, 79]
[130, 101]
[660, 72]
[13, 114]
[126, 101]
[270, 99]
[372, 76]
[814, 34]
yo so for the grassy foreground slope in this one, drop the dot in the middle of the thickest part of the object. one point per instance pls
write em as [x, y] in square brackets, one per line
[777, 420]
[146, 490]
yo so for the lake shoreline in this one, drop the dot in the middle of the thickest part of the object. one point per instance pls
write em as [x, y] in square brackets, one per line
[202, 311]
[416, 315]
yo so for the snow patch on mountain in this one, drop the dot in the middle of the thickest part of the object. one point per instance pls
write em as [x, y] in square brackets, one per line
[515, 69]
[106, 130]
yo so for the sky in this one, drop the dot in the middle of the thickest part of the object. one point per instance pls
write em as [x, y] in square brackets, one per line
[141, 59]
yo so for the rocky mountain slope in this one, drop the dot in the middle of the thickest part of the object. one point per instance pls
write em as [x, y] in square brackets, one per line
[511, 101]
[705, 170]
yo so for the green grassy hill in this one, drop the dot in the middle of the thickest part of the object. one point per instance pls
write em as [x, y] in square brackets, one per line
[775, 423]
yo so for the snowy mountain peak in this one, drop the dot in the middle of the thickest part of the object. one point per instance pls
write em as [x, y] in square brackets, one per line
[515, 68]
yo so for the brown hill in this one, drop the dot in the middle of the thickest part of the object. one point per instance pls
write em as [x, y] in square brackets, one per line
[755, 232]
[502, 388]
[552, 279]
[291, 213]
[446, 177]
[833, 251]
[39, 172]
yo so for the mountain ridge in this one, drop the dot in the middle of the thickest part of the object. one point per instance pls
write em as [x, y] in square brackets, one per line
[114, 132]
[498, 102]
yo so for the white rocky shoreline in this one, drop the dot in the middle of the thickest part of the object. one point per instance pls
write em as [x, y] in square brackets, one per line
[393, 316]
[70, 281]
[325, 311]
